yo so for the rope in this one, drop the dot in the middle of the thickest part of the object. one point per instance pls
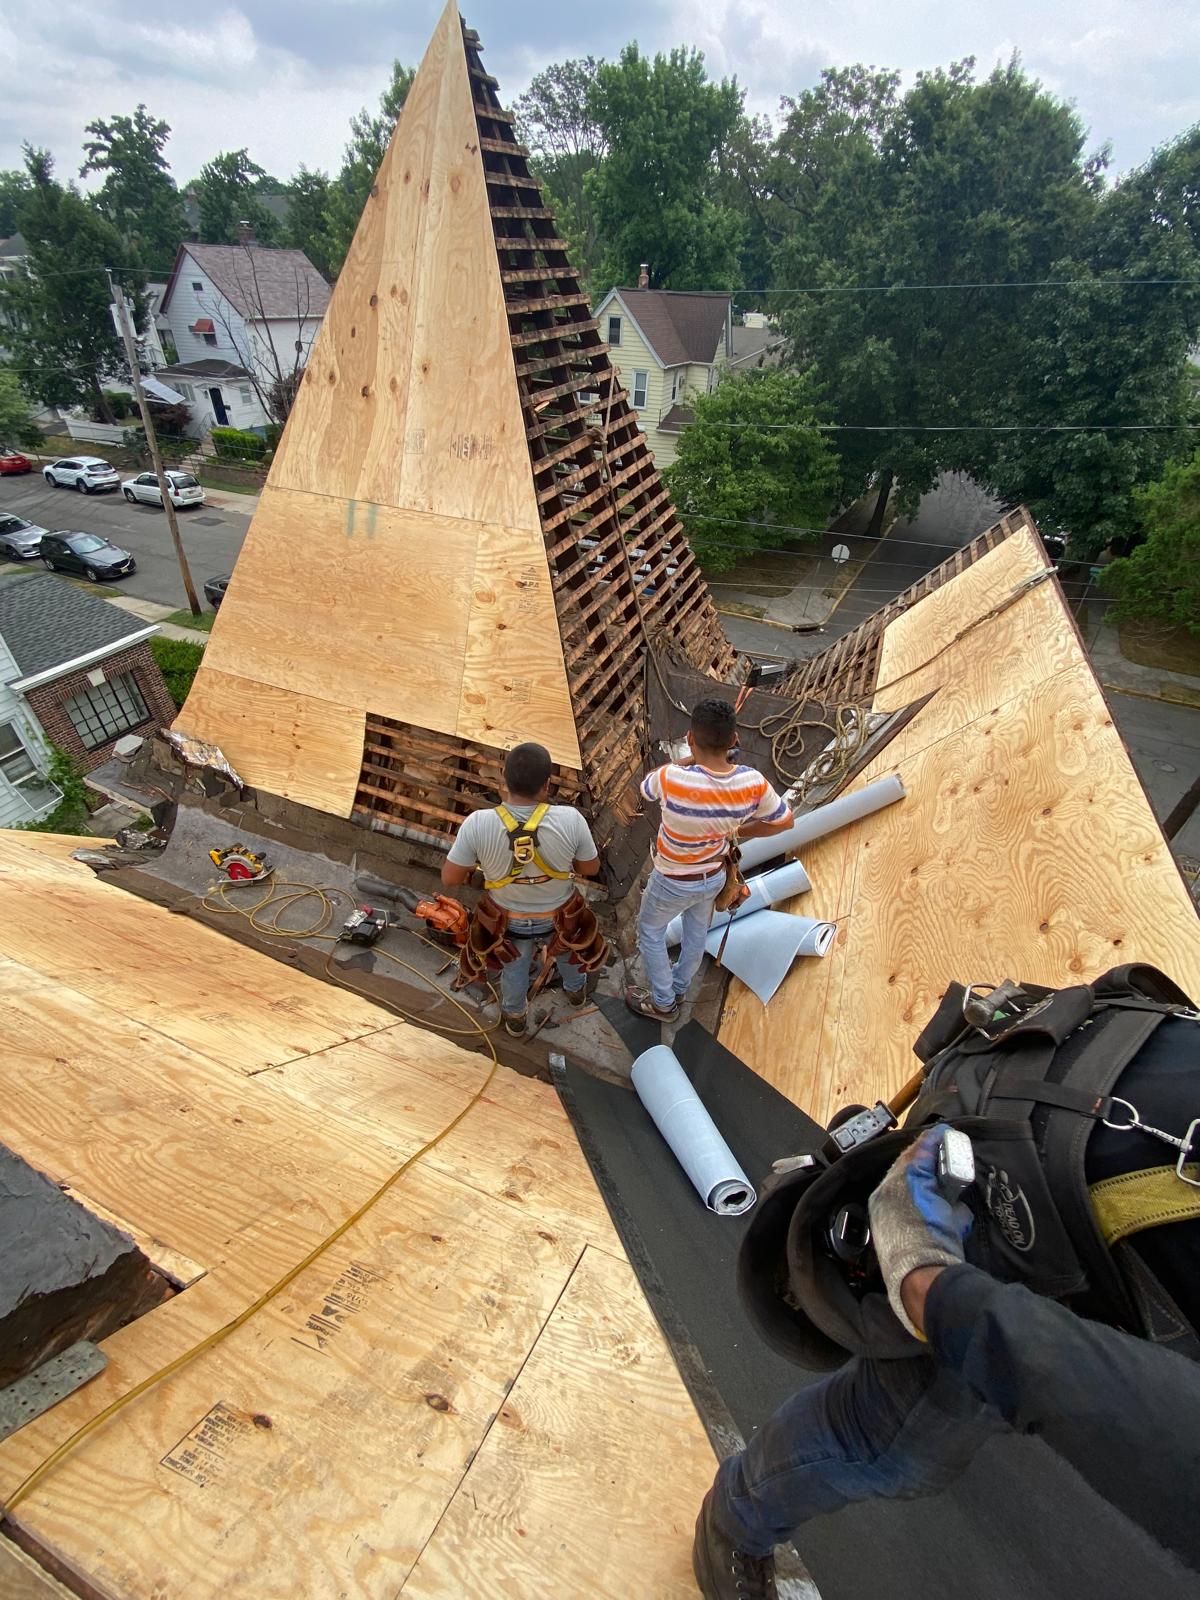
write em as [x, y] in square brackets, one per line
[849, 728]
[325, 896]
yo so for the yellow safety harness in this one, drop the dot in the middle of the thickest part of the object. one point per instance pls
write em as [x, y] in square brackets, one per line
[522, 841]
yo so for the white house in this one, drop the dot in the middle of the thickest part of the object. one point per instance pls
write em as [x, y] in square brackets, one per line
[667, 345]
[242, 317]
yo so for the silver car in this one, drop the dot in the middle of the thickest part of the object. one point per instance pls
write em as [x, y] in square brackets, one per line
[182, 487]
[20, 540]
[85, 473]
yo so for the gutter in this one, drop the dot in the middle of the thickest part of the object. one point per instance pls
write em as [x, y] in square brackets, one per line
[36, 679]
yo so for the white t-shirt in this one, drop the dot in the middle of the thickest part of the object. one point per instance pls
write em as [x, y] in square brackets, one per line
[563, 837]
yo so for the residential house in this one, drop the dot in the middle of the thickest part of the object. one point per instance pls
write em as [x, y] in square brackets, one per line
[75, 672]
[241, 316]
[668, 345]
[755, 344]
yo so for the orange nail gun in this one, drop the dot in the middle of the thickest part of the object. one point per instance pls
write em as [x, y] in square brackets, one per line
[444, 916]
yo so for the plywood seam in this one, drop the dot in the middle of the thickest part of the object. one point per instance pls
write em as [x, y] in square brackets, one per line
[1030, 687]
[352, 1038]
[483, 1438]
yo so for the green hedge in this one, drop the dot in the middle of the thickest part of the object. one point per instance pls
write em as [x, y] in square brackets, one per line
[238, 443]
[178, 660]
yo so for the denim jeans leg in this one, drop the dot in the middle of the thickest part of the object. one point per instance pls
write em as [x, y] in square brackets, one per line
[514, 978]
[573, 980]
[696, 919]
[887, 1429]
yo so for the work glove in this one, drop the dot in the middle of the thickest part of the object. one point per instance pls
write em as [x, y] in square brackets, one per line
[912, 1223]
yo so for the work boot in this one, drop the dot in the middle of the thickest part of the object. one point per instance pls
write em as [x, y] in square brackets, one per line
[515, 1023]
[723, 1572]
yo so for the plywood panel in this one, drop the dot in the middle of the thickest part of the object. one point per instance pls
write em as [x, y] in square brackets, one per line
[166, 972]
[303, 748]
[396, 564]
[22, 1579]
[593, 1470]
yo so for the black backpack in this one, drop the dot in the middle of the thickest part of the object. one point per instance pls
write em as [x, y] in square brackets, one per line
[1070, 1196]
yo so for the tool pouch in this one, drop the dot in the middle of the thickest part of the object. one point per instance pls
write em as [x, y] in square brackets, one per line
[487, 947]
[734, 890]
[576, 930]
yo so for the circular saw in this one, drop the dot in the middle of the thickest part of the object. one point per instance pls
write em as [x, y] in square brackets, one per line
[240, 864]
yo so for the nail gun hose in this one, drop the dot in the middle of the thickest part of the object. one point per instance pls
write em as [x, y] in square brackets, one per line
[74, 1440]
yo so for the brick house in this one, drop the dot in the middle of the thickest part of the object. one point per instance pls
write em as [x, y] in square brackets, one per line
[75, 672]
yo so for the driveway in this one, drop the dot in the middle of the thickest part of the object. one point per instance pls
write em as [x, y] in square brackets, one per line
[212, 534]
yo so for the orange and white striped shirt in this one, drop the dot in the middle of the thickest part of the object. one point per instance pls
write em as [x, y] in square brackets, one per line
[702, 810]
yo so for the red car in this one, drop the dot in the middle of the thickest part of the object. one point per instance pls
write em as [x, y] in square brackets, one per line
[14, 461]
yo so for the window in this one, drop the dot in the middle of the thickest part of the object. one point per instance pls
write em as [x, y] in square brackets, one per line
[198, 287]
[675, 382]
[209, 338]
[614, 330]
[16, 763]
[641, 382]
[186, 391]
[107, 711]
[247, 394]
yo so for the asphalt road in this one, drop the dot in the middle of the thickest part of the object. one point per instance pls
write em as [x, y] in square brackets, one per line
[212, 534]
[1164, 743]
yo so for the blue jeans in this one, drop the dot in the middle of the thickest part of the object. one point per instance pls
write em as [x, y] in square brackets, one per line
[874, 1429]
[514, 978]
[665, 899]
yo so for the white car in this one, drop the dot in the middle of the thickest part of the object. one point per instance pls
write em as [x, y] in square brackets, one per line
[182, 487]
[85, 473]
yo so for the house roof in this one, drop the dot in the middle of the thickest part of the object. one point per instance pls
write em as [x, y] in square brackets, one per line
[46, 622]
[14, 246]
[258, 281]
[677, 418]
[680, 327]
[756, 347]
[209, 367]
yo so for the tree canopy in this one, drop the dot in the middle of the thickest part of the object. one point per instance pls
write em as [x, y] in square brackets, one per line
[14, 190]
[138, 195]
[16, 415]
[308, 221]
[556, 122]
[1160, 581]
[747, 464]
[370, 135]
[227, 191]
[665, 127]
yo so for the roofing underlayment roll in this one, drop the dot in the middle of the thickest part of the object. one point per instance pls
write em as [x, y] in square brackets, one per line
[779, 884]
[761, 950]
[839, 813]
[679, 1115]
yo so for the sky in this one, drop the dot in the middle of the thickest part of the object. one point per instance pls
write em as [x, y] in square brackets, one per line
[283, 77]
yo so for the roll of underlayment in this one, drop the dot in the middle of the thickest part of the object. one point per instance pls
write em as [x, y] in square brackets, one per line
[680, 1116]
[765, 890]
[761, 950]
[839, 813]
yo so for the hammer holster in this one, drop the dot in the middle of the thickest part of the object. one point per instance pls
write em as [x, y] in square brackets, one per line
[488, 947]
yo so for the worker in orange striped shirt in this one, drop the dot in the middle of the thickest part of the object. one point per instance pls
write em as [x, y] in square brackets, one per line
[707, 802]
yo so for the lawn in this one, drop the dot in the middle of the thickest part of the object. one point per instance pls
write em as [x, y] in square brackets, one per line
[238, 482]
[184, 619]
[1150, 644]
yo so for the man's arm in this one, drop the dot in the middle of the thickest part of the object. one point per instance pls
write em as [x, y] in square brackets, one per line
[462, 859]
[454, 876]
[772, 815]
[586, 869]
[764, 830]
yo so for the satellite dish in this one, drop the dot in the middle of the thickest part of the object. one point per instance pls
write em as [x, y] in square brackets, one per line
[840, 553]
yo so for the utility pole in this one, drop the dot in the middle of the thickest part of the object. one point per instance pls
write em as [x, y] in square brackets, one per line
[125, 325]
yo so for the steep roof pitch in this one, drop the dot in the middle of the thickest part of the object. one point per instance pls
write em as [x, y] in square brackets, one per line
[257, 281]
[46, 622]
[680, 327]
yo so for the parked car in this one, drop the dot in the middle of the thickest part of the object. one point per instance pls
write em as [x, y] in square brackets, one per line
[14, 461]
[85, 473]
[214, 591]
[87, 554]
[183, 488]
[19, 540]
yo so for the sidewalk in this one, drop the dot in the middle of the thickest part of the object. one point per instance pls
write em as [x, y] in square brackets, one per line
[152, 611]
[1116, 671]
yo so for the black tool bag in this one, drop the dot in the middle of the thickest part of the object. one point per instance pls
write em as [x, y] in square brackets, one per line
[1037, 1087]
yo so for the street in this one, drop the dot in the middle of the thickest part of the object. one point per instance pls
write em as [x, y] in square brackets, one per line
[212, 534]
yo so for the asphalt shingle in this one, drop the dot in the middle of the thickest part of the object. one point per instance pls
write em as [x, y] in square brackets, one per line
[46, 622]
[681, 327]
[260, 282]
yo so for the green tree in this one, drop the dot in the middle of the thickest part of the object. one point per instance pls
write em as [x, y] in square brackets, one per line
[1161, 579]
[308, 224]
[654, 195]
[370, 136]
[226, 189]
[138, 195]
[955, 182]
[555, 121]
[16, 415]
[61, 328]
[14, 190]
[748, 465]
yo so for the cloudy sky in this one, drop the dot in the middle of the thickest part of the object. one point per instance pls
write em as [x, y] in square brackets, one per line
[284, 76]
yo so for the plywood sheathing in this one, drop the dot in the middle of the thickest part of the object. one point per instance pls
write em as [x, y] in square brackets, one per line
[470, 1359]
[1026, 847]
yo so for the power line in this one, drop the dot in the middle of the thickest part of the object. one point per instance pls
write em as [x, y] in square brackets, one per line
[1020, 283]
[962, 427]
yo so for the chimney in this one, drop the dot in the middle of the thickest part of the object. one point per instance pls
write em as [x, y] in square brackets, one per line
[245, 232]
[644, 276]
